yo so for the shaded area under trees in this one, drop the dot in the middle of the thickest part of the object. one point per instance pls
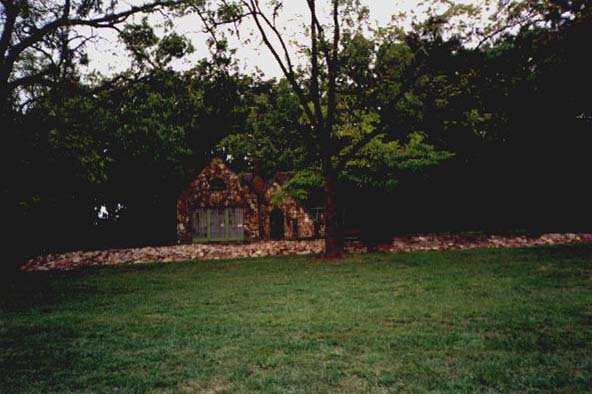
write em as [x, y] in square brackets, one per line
[435, 136]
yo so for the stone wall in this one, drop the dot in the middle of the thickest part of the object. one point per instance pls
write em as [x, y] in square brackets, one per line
[199, 195]
[293, 212]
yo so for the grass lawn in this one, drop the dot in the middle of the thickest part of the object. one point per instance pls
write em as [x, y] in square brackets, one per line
[484, 321]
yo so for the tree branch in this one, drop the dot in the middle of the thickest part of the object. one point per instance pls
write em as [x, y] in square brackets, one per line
[30, 80]
[324, 47]
[314, 77]
[366, 139]
[288, 72]
[342, 161]
[104, 21]
[332, 69]
[277, 34]
[8, 27]
[207, 28]
[501, 29]
[11, 53]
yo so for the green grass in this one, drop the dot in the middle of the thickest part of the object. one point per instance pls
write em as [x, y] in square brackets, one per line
[486, 321]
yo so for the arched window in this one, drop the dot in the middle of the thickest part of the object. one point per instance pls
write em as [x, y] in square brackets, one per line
[217, 184]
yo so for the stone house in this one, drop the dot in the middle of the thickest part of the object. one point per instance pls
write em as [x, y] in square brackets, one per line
[219, 205]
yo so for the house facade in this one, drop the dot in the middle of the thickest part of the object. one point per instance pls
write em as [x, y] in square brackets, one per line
[219, 205]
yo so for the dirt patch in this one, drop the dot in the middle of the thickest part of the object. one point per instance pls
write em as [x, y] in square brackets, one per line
[216, 384]
[75, 260]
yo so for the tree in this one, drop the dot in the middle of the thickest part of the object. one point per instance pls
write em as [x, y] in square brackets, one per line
[316, 86]
[337, 89]
[107, 161]
[269, 140]
[39, 41]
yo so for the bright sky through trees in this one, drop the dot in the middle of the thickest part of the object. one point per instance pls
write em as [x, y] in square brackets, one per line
[108, 56]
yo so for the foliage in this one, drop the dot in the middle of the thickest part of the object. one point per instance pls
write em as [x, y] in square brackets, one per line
[104, 160]
[150, 51]
[300, 184]
[432, 129]
[380, 161]
[269, 141]
[43, 41]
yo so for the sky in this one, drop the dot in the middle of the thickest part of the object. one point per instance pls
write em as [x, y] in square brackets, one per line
[107, 56]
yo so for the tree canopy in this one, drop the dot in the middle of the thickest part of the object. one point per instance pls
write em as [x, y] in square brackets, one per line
[426, 129]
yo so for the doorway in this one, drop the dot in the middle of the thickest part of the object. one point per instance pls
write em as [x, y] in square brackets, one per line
[276, 224]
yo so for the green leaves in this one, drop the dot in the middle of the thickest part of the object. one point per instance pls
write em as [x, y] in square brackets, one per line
[229, 13]
[139, 36]
[380, 163]
[299, 185]
[270, 138]
[150, 51]
[173, 46]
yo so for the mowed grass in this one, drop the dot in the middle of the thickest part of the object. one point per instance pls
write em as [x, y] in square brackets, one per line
[485, 321]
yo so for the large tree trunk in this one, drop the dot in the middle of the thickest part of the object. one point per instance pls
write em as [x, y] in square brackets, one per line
[333, 234]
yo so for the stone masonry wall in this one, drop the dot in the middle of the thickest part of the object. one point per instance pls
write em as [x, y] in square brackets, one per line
[293, 211]
[199, 195]
[235, 194]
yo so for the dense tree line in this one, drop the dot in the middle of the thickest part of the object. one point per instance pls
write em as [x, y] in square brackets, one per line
[432, 133]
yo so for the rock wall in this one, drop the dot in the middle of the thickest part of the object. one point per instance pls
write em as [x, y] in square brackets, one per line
[76, 260]
[199, 195]
[293, 212]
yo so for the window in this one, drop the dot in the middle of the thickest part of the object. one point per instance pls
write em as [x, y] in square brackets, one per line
[235, 223]
[200, 224]
[217, 184]
[218, 224]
